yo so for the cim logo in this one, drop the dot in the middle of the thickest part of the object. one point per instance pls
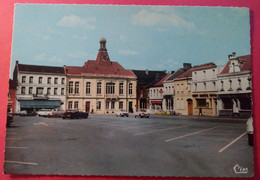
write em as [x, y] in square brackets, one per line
[240, 170]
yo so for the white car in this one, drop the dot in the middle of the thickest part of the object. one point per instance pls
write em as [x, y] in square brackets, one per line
[141, 113]
[56, 113]
[44, 112]
[121, 112]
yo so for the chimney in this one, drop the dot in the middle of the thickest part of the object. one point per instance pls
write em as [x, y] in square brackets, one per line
[186, 66]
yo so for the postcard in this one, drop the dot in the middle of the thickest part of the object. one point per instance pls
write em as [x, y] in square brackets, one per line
[127, 90]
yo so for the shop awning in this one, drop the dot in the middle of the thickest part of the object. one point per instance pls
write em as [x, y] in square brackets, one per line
[156, 102]
[40, 104]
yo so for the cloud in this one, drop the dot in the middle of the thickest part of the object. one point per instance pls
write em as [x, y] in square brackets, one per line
[40, 57]
[162, 16]
[81, 55]
[55, 59]
[76, 21]
[128, 52]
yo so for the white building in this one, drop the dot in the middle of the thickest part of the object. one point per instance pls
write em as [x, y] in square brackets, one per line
[39, 87]
[234, 87]
[204, 88]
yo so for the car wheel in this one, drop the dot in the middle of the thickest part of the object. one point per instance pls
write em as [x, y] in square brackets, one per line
[135, 116]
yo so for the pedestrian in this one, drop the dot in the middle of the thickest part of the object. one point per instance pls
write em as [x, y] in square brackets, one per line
[200, 111]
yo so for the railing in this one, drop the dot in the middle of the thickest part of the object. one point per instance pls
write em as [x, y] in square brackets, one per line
[40, 96]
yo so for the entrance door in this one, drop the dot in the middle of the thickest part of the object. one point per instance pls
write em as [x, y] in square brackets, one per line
[130, 107]
[189, 107]
[87, 106]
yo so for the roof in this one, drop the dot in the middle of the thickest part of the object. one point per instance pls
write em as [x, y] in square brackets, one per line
[175, 74]
[94, 68]
[40, 69]
[187, 74]
[245, 64]
[160, 82]
[204, 66]
[148, 77]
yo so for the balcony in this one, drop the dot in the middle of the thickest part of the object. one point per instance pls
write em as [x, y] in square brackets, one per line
[111, 97]
[40, 96]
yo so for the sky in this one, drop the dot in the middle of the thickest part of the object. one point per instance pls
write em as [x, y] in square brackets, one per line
[138, 37]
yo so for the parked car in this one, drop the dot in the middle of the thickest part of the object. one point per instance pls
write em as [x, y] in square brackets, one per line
[74, 115]
[250, 130]
[141, 113]
[9, 120]
[55, 113]
[44, 112]
[121, 112]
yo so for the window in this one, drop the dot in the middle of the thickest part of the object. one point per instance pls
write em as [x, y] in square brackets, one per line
[121, 105]
[112, 105]
[9, 95]
[201, 103]
[130, 89]
[98, 104]
[230, 85]
[30, 90]
[205, 86]
[48, 90]
[40, 80]
[23, 90]
[49, 80]
[55, 80]
[39, 91]
[63, 81]
[121, 88]
[99, 88]
[62, 91]
[23, 79]
[70, 105]
[76, 105]
[76, 87]
[88, 88]
[204, 74]
[110, 88]
[107, 105]
[30, 79]
[55, 91]
[70, 87]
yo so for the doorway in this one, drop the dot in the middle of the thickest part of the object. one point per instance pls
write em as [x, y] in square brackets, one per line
[87, 106]
[189, 107]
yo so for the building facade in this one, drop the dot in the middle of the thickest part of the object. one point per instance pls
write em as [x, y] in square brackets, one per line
[204, 89]
[39, 87]
[145, 78]
[235, 87]
[11, 96]
[100, 86]
[156, 95]
[183, 102]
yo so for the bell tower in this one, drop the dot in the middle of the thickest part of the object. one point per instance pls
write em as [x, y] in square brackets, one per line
[102, 56]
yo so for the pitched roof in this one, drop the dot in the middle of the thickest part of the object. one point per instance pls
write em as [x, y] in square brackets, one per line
[204, 66]
[147, 77]
[160, 82]
[245, 64]
[94, 68]
[187, 74]
[40, 69]
[175, 74]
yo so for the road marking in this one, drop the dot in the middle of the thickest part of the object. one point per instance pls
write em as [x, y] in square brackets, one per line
[189, 134]
[160, 130]
[13, 138]
[20, 162]
[14, 147]
[232, 142]
[41, 123]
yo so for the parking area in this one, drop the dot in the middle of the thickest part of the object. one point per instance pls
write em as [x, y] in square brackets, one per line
[129, 146]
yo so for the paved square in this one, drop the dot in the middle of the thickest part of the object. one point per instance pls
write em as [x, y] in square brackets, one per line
[128, 146]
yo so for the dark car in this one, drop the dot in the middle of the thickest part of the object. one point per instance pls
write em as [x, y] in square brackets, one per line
[9, 120]
[74, 115]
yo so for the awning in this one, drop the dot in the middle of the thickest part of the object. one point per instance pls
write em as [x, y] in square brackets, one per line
[40, 104]
[156, 102]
